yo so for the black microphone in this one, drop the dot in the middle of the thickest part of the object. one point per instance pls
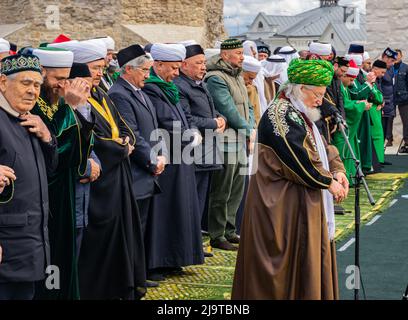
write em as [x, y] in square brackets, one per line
[338, 119]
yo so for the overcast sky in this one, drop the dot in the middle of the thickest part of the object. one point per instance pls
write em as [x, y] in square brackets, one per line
[238, 14]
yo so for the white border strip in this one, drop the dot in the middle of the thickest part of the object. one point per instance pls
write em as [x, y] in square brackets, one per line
[348, 244]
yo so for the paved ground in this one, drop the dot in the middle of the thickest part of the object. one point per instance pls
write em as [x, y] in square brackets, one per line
[383, 248]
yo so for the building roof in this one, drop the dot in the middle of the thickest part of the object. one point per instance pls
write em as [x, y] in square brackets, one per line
[313, 23]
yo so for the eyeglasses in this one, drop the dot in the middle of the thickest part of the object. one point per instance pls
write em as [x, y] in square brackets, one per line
[144, 70]
[317, 95]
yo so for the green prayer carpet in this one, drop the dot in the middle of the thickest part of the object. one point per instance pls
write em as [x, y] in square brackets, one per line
[383, 248]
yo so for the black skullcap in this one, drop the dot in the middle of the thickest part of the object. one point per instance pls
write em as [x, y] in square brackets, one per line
[129, 53]
[380, 64]
[79, 70]
[193, 50]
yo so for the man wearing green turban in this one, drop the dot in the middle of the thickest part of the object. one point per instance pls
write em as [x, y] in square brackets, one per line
[287, 248]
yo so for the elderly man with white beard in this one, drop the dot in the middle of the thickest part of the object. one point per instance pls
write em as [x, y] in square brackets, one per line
[287, 248]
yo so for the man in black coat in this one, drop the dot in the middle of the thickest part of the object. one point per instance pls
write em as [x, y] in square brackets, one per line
[27, 151]
[140, 115]
[333, 100]
[401, 96]
[176, 228]
[196, 100]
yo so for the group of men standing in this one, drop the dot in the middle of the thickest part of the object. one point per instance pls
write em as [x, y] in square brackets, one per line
[111, 178]
[107, 196]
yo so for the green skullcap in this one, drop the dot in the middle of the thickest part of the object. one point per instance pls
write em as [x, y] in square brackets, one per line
[311, 72]
[231, 44]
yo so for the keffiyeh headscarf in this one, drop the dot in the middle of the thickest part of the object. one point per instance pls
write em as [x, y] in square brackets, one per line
[311, 72]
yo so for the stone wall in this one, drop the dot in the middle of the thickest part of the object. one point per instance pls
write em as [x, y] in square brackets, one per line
[83, 19]
[387, 25]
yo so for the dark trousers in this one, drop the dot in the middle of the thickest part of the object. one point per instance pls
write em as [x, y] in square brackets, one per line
[78, 239]
[226, 191]
[144, 210]
[388, 123]
[240, 212]
[403, 110]
[203, 188]
[17, 291]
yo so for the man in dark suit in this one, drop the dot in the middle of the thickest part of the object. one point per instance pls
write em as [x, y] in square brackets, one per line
[148, 162]
[195, 99]
[27, 152]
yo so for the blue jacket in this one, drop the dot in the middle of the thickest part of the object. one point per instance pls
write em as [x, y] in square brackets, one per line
[401, 85]
[386, 86]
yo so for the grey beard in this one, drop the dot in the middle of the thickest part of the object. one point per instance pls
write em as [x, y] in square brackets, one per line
[313, 114]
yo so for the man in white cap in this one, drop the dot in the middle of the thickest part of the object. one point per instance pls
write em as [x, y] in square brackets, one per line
[367, 63]
[57, 106]
[321, 50]
[176, 211]
[111, 264]
[251, 67]
[107, 81]
[364, 89]
[4, 48]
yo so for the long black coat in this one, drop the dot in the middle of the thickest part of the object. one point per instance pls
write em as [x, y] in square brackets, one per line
[175, 233]
[386, 86]
[24, 204]
[111, 263]
[197, 101]
[141, 119]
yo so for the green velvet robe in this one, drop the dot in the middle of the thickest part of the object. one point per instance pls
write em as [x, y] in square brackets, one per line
[354, 112]
[377, 134]
[75, 140]
[363, 91]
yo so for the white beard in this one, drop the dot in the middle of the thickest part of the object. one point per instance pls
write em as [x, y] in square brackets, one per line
[313, 114]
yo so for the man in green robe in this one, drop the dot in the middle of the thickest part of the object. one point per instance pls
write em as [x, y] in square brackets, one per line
[354, 111]
[57, 108]
[377, 134]
[364, 88]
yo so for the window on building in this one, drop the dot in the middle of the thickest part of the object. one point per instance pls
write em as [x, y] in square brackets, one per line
[260, 25]
[332, 36]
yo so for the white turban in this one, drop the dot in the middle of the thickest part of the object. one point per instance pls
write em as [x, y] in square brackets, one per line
[54, 57]
[168, 52]
[251, 64]
[248, 47]
[366, 56]
[4, 45]
[109, 42]
[84, 51]
[358, 59]
[209, 53]
[321, 49]
[188, 43]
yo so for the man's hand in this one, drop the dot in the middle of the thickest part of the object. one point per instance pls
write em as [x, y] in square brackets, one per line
[76, 93]
[221, 124]
[342, 179]
[161, 164]
[6, 175]
[95, 170]
[37, 126]
[337, 190]
[371, 77]
[368, 106]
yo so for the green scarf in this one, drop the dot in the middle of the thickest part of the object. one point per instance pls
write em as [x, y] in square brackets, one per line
[168, 88]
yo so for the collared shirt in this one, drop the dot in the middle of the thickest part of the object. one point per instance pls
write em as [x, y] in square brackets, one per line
[5, 105]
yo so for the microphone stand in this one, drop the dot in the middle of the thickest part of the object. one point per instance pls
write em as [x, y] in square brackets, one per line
[359, 179]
